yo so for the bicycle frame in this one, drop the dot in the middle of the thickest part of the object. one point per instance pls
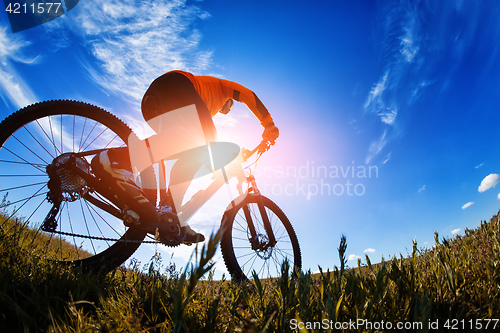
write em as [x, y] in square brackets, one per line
[222, 177]
[186, 211]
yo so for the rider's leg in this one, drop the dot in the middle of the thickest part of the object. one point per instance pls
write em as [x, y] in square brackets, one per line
[181, 176]
[149, 184]
[112, 166]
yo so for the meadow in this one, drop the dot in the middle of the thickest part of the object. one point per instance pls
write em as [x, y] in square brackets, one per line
[455, 285]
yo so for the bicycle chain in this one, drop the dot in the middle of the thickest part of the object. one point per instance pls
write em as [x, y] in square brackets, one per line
[105, 238]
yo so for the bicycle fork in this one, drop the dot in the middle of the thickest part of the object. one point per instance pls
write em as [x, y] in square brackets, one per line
[256, 240]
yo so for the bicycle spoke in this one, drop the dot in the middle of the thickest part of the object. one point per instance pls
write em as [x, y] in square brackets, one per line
[103, 220]
[97, 137]
[26, 200]
[73, 136]
[61, 131]
[39, 143]
[283, 251]
[36, 166]
[52, 135]
[71, 228]
[88, 136]
[60, 238]
[253, 256]
[28, 219]
[29, 149]
[20, 186]
[23, 163]
[87, 226]
[264, 260]
[111, 141]
[81, 136]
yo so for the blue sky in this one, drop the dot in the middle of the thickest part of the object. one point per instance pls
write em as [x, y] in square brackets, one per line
[407, 90]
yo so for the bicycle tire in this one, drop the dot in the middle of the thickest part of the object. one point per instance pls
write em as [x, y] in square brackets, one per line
[236, 249]
[29, 139]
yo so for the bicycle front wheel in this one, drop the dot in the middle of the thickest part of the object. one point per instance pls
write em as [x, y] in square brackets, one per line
[245, 254]
[86, 227]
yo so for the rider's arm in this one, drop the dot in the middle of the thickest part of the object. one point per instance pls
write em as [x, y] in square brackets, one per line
[249, 98]
[244, 95]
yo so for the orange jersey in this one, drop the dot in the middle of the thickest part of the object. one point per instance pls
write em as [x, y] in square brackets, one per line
[215, 92]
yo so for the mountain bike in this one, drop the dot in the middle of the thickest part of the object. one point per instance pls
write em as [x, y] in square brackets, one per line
[58, 210]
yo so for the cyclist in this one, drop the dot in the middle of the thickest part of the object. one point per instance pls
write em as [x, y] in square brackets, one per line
[176, 91]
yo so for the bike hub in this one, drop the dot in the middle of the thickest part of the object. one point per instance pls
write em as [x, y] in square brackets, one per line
[261, 246]
[66, 181]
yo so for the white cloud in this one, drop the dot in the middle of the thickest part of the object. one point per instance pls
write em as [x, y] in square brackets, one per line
[479, 165]
[388, 116]
[498, 196]
[409, 45]
[353, 257]
[488, 182]
[455, 231]
[376, 103]
[369, 250]
[136, 41]
[13, 87]
[422, 189]
[387, 158]
[377, 91]
[467, 205]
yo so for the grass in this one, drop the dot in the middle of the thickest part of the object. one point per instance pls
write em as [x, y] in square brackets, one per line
[457, 279]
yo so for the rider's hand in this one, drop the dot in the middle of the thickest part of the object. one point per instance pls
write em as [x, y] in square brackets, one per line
[271, 133]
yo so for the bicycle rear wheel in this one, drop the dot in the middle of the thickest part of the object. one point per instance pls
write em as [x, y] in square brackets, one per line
[85, 234]
[241, 258]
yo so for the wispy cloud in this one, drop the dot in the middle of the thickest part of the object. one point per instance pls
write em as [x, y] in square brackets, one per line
[136, 41]
[488, 182]
[411, 55]
[353, 257]
[479, 165]
[422, 189]
[377, 104]
[369, 250]
[13, 88]
[467, 205]
[376, 147]
[409, 42]
[374, 97]
[387, 158]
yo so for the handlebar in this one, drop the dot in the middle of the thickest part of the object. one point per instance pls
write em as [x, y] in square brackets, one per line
[261, 148]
